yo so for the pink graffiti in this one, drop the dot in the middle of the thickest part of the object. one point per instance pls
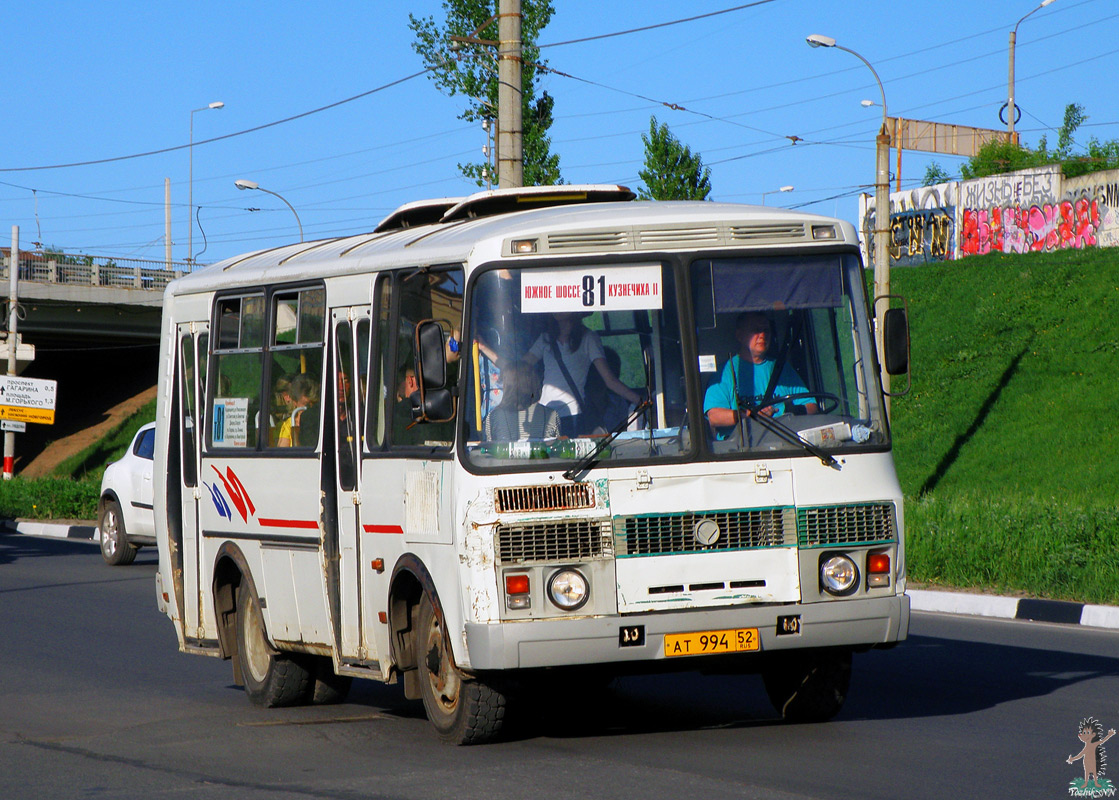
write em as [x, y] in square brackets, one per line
[1046, 227]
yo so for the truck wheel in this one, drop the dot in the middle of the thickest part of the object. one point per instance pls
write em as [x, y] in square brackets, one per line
[271, 678]
[115, 547]
[461, 708]
[808, 687]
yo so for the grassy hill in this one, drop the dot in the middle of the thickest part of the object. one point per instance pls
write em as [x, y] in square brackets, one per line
[1006, 445]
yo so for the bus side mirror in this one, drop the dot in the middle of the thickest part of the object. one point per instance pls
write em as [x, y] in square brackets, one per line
[436, 401]
[895, 341]
[431, 362]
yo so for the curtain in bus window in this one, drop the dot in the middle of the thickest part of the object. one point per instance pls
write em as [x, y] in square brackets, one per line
[763, 284]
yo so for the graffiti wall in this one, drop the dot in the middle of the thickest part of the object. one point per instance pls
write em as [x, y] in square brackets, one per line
[1093, 200]
[923, 225]
[1020, 212]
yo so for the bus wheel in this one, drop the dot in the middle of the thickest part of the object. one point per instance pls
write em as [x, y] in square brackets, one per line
[330, 688]
[461, 708]
[271, 678]
[808, 687]
[115, 547]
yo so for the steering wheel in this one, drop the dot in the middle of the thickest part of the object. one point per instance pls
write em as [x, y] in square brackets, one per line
[823, 398]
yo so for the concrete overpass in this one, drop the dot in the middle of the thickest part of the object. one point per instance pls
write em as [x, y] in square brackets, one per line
[94, 324]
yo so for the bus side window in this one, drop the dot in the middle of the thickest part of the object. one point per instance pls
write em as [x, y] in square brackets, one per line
[234, 394]
[296, 367]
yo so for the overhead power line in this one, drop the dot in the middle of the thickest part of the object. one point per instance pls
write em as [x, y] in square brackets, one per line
[225, 136]
[658, 25]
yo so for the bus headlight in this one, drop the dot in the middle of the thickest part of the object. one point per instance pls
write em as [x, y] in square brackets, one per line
[568, 589]
[838, 575]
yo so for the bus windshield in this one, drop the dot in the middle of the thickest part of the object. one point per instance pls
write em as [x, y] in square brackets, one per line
[784, 354]
[560, 358]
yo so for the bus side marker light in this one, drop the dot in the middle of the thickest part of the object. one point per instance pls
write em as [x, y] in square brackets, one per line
[516, 592]
[378, 565]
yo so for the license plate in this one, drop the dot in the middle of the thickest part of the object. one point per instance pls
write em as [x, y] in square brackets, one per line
[708, 642]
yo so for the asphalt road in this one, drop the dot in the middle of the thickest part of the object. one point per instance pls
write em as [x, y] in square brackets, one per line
[95, 701]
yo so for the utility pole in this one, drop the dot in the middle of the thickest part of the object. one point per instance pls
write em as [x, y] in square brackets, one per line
[13, 303]
[167, 221]
[510, 152]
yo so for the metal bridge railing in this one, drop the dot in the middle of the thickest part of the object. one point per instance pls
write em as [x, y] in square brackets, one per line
[122, 273]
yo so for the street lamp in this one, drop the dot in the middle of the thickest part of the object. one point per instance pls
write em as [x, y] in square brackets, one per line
[190, 186]
[244, 184]
[775, 191]
[881, 206]
[1010, 110]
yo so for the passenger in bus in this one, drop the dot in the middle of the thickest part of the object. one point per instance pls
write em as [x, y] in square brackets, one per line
[304, 397]
[519, 416]
[746, 377]
[281, 409]
[569, 349]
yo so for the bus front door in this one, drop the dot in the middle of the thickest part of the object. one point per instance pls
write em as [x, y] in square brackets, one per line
[193, 341]
[343, 553]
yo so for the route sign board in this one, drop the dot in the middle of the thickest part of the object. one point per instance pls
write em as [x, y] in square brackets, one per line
[27, 399]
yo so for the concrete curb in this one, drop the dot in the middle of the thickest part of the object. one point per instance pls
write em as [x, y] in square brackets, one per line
[1023, 608]
[55, 530]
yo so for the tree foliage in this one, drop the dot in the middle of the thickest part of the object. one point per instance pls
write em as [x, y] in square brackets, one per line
[672, 171]
[998, 156]
[471, 72]
[934, 174]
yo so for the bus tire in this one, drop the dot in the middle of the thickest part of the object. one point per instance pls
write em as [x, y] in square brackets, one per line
[461, 708]
[330, 688]
[272, 679]
[808, 687]
[115, 547]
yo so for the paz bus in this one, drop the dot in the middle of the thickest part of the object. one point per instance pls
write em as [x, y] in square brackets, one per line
[335, 499]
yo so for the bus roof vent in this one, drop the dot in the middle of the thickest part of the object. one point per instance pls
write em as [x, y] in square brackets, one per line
[505, 201]
[763, 232]
[677, 237]
[517, 499]
[590, 240]
[420, 212]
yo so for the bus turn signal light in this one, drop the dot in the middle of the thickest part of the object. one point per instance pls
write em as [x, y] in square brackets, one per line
[878, 570]
[516, 592]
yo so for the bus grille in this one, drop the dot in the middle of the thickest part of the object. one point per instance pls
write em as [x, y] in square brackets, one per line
[829, 526]
[560, 540]
[515, 499]
[676, 533]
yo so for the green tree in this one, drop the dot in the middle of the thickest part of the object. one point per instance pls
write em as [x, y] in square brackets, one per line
[935, 174]
[672, 171]
[471, 72]
[999, 156]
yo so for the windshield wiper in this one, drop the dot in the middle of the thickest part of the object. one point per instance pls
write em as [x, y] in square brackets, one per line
[587, 462]
[782, 431]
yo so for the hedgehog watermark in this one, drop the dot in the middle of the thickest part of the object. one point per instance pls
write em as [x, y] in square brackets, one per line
[1094, 758]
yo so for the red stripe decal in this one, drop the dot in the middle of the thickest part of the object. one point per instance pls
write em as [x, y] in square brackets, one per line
[382, 529]
[288, 523]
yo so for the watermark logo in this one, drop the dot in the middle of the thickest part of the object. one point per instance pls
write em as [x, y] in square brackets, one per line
[1093, 756]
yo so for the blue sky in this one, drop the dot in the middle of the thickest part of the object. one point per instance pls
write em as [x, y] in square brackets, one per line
[92, 81]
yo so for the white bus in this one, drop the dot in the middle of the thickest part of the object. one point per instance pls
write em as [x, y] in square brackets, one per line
[530, 433]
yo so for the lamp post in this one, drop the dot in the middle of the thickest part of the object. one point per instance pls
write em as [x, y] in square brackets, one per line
[881, 206]
[244, 184]
[775, 191]
[190, 184]
[1010, 110]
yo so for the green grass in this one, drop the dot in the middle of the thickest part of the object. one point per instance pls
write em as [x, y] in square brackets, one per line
[91, 462]
[1006, 444]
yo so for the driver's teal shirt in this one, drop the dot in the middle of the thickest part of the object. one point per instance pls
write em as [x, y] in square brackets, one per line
[751, 386]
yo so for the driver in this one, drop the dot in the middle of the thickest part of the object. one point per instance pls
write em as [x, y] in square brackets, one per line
[747, 375]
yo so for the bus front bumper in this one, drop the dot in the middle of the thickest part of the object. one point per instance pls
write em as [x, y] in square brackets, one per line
[640, 637]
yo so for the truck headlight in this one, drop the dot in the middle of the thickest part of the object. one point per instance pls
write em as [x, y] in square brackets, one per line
[568, 589]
